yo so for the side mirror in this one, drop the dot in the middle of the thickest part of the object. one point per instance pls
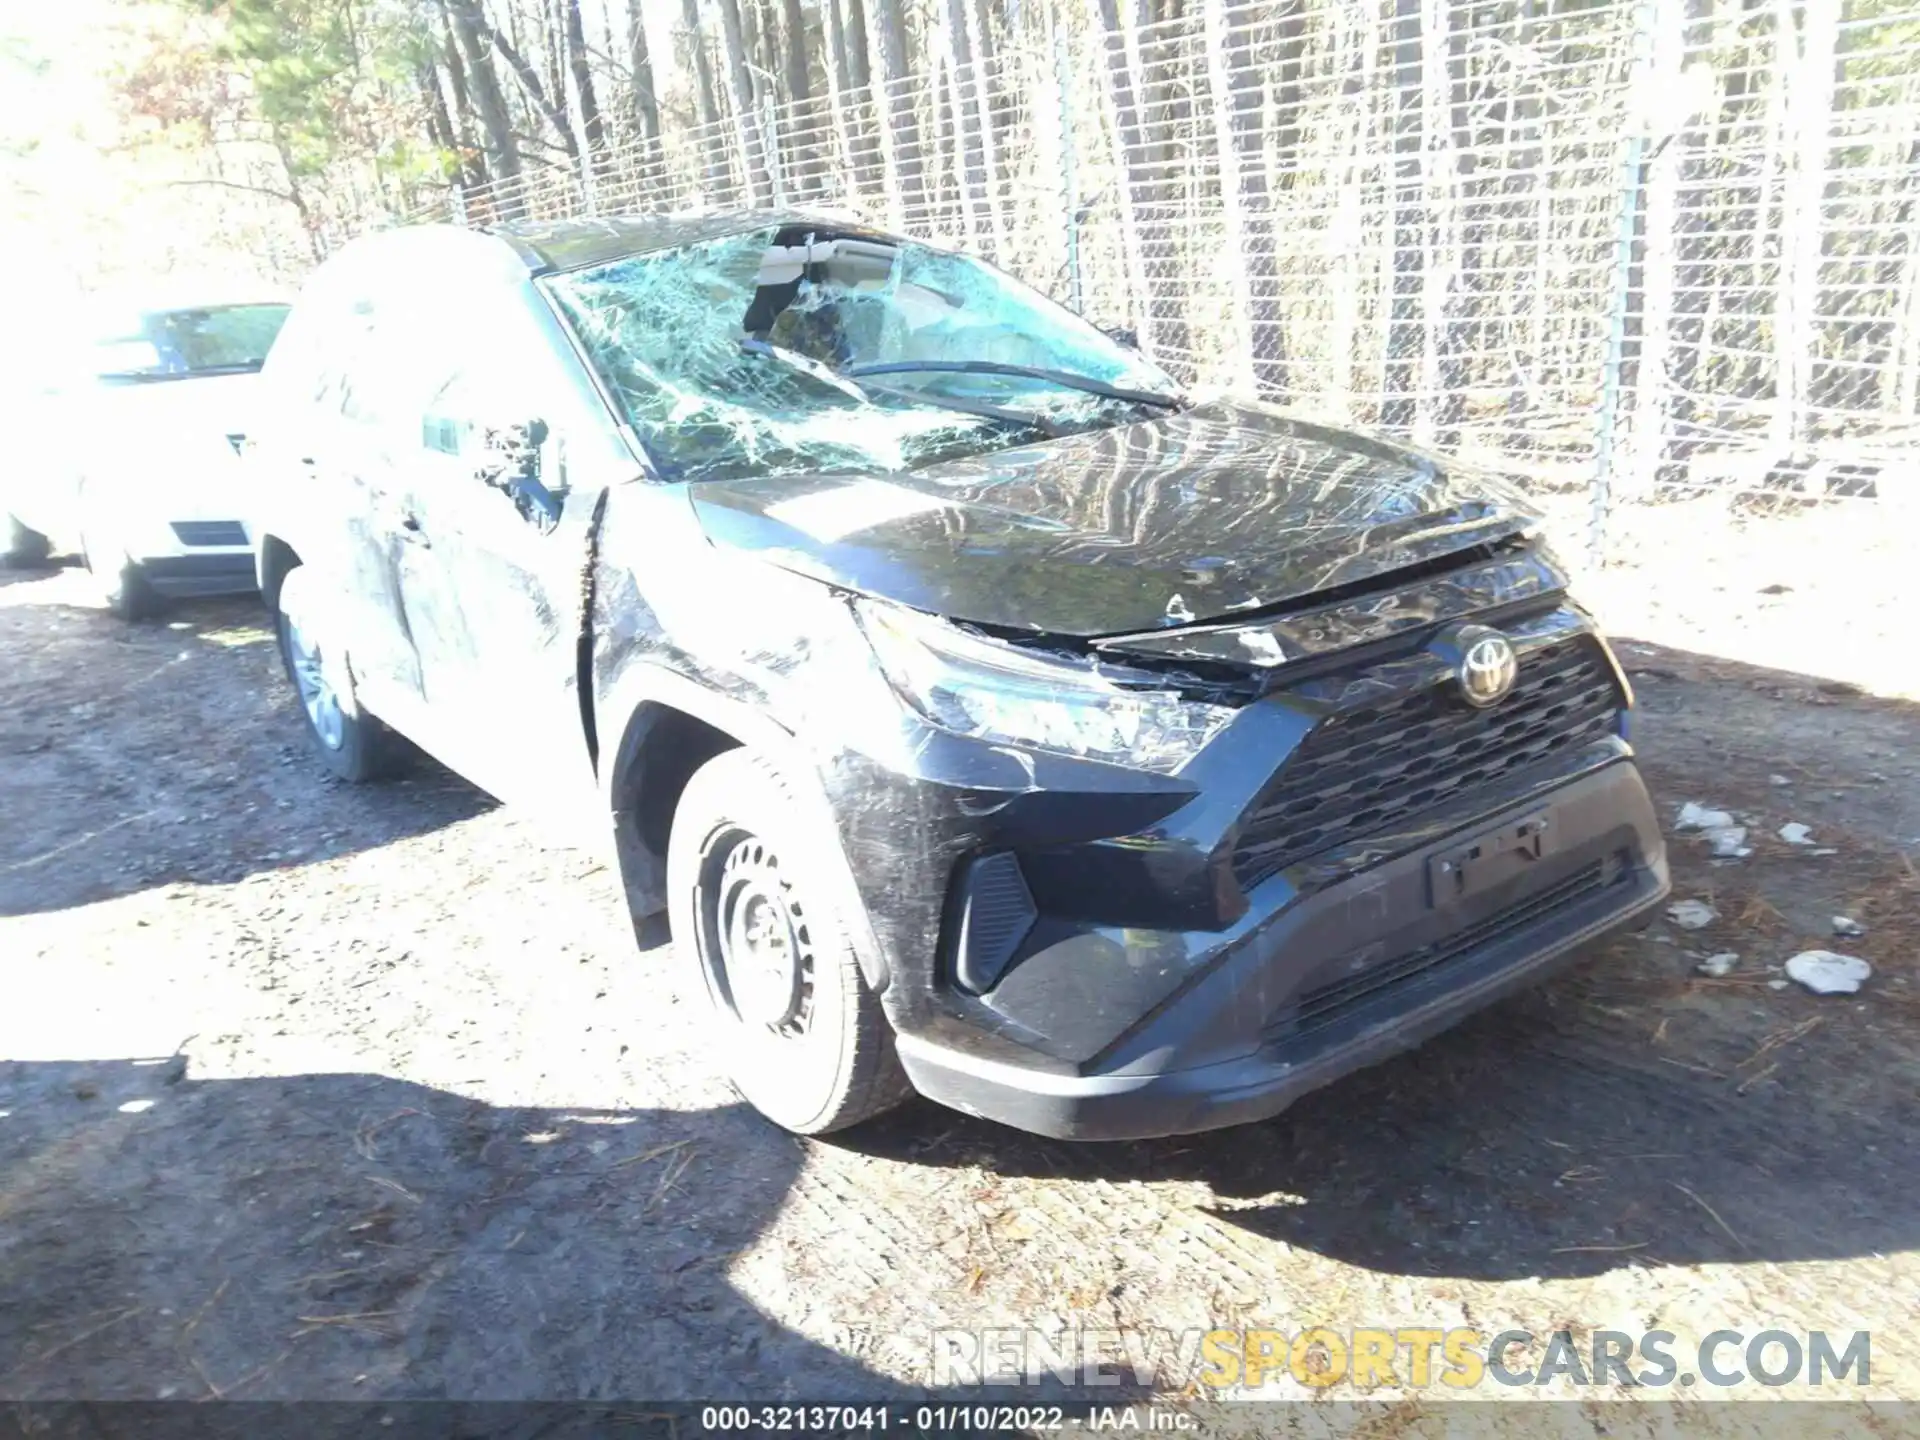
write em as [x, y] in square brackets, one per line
[1122, 334]
[513, 462]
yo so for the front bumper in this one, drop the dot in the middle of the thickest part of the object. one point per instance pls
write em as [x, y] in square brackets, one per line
[1308, 986]
[222, 572]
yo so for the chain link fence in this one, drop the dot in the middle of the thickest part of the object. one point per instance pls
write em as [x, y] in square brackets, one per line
[1624, 250]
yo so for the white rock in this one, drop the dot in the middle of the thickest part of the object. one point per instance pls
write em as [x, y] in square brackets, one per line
[1823, 850]
[1826, 973]
[1778, 780]
[1848, 928]
[1699, 817]
[1714, 966]
[1728, 842]
[1776, 984]
[1794, 833]
[1691, 914]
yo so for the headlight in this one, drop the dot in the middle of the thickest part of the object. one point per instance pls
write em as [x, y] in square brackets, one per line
[975, 686]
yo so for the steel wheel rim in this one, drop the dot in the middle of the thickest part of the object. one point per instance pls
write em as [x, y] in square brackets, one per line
[317, 695]
[759, 948]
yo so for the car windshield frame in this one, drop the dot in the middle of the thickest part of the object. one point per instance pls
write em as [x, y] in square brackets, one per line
[709, 354]
[182, 349]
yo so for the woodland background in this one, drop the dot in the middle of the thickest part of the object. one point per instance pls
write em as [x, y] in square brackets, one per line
[1629, 246]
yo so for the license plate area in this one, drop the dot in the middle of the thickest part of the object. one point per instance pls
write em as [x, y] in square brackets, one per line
[1489, 859]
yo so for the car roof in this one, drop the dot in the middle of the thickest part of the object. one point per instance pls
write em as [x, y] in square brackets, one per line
[548, 246]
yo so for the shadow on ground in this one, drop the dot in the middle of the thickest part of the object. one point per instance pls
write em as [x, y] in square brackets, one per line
[169, 750]
[362, 1237]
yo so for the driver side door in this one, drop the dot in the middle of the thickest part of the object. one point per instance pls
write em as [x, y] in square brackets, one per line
[493, 585]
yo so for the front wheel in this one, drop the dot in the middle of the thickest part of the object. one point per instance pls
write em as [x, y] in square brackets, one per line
[800, 1033]
[353, 742]
[122, 579]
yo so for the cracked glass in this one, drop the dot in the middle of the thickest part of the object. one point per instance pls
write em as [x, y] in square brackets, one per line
[795, 350]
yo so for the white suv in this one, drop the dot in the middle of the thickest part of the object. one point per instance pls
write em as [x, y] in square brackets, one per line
[141, 472]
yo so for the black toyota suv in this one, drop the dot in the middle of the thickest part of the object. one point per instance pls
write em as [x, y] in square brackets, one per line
[988, 718]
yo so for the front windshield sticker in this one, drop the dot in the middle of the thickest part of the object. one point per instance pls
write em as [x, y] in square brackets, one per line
[741, 357]
[829, 515]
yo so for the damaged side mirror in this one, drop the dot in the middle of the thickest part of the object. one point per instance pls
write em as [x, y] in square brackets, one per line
[515, 462]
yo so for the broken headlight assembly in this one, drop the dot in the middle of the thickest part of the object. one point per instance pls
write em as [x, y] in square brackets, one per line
[988, 689]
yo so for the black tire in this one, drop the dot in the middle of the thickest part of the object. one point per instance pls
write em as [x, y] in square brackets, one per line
[828, 1061]
[25, 546]
[122, 580]
[361, 748]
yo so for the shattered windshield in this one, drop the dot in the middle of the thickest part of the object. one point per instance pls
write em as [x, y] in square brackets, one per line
[803, 348]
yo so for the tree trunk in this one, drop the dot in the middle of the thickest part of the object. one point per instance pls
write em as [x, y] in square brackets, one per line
[794, 47]
[646, 99]
[1810, 106]
[854, 29]
[553, 49]
[834, 27]
[473, 166]
[483, 84]
[1246, 79]
[1160, 51]
[440, 123]
[969, 157]
[993, 126]
[297, 194]
[707, 104]
[592, 127]
[1442, 401]
[740, 88]
[1130, 159]
[857, 109]
[899, 128]
[1398, 408]
[834, 37]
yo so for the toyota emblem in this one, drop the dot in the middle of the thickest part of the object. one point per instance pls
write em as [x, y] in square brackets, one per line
[1485, 666]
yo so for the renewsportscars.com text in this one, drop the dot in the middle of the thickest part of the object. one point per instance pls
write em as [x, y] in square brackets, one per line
[1407, 1357]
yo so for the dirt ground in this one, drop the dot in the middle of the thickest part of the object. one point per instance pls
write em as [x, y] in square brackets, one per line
[318, 1091]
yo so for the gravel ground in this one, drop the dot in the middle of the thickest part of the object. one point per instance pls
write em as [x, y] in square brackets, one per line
[312, 1090]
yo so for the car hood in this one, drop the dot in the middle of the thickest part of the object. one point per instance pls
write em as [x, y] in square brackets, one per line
[1193, 516]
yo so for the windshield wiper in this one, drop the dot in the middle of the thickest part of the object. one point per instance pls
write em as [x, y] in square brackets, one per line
[843, 381]
[806, 365]
[1029, 372]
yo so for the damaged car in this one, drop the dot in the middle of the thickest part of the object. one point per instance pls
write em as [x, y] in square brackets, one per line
[988, 718]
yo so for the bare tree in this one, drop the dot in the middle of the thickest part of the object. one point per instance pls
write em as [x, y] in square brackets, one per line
[899, 128]
[706, 102]
[854, 30]
[1247, 63]
[470, 30]
[794, 48]
[592, 127]
[1402, 371]
[1131, 144]
[740, 88]
[646, 99]
[548, 104]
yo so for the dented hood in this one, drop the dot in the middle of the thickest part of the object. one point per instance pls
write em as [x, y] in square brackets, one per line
[1193, 516]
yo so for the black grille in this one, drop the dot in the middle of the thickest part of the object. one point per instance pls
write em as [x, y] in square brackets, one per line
[1321, 1005]
[1362, 771]
[210, 532]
